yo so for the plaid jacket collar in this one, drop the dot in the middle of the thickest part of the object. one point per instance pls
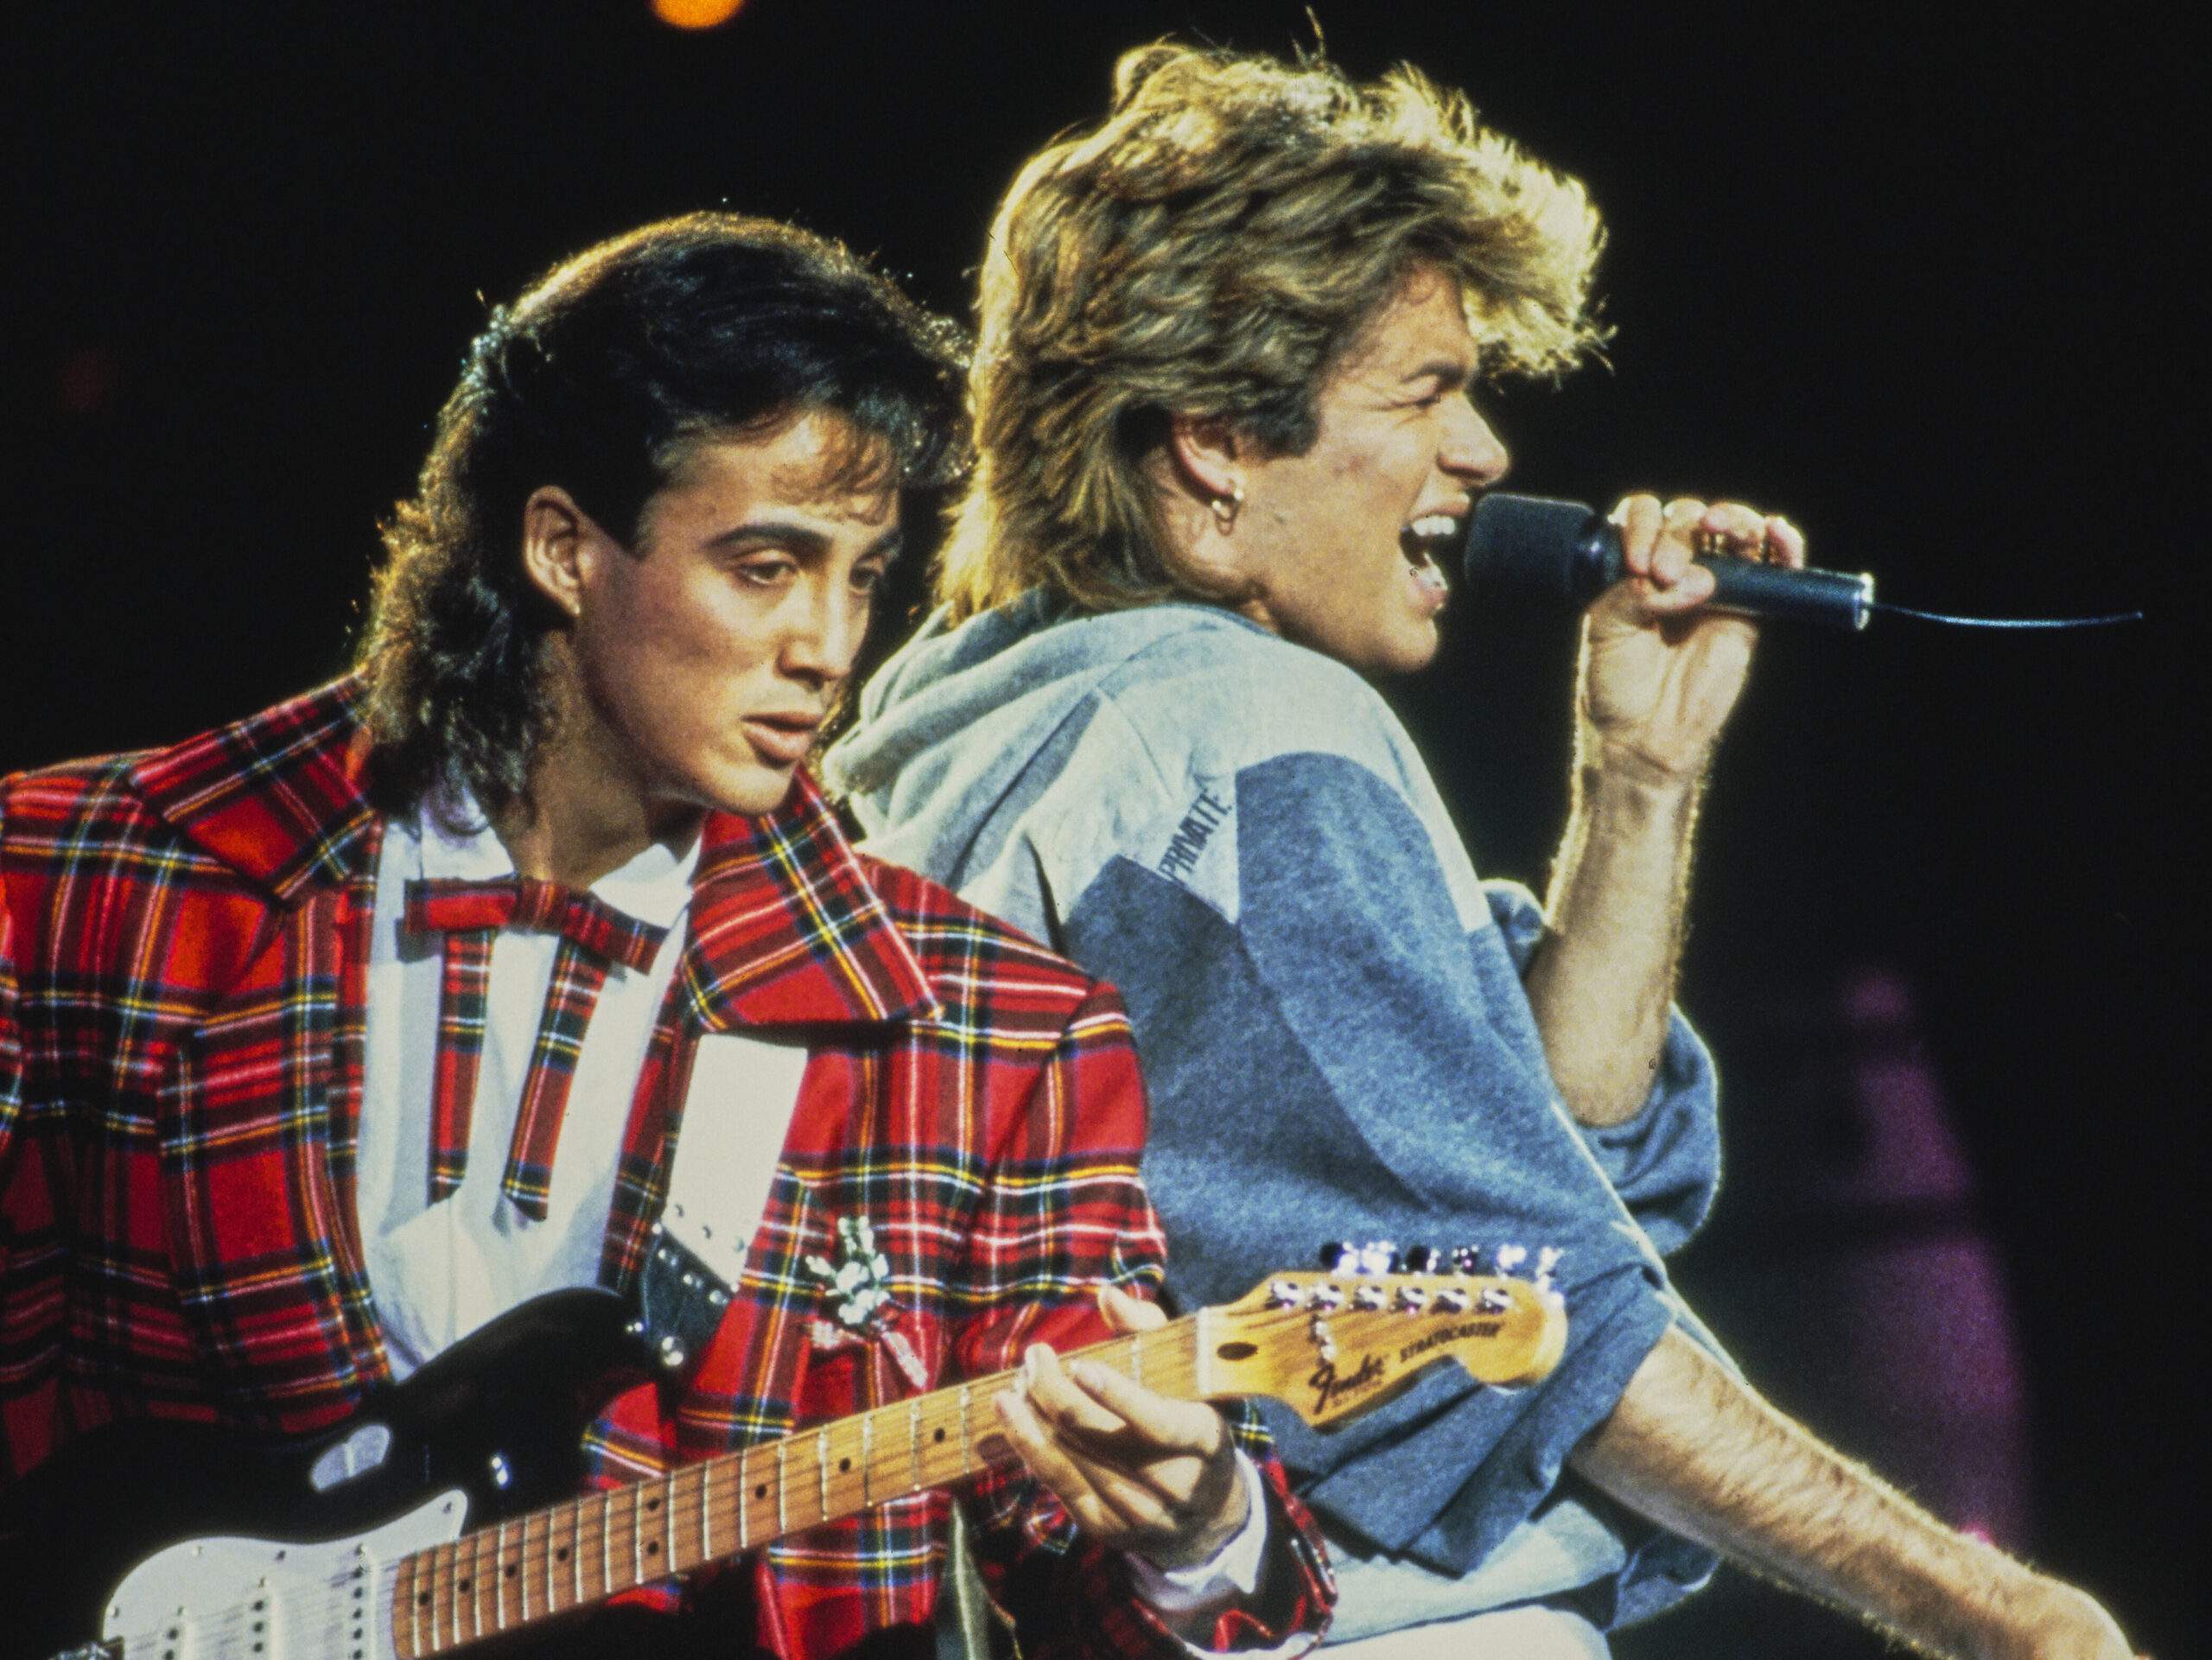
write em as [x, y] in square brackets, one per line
[784, 929]
[279, 797]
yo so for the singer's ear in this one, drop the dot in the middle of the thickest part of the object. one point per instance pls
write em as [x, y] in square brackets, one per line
[1208, 456]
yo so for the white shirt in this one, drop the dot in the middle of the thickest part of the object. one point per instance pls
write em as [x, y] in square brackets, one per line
[437, 1272]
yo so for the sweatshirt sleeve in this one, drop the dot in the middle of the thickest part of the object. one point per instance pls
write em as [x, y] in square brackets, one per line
[1336, 1056]
[1665, 1161]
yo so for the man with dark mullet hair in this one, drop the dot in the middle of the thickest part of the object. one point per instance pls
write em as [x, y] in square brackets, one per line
[527, 956]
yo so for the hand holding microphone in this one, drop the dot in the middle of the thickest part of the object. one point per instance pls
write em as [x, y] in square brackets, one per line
[1662, 658]
[1569, 552]
[1572, 553]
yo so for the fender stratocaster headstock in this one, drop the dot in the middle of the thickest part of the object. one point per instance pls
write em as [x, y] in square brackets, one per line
[1332, 1345]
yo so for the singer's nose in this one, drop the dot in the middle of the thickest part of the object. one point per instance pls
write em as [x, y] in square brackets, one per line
[1471, 451]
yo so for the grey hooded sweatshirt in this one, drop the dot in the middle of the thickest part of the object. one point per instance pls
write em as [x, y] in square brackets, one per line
[1237, 832]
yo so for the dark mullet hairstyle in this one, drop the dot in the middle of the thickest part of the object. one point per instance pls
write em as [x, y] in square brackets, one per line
[597, 380]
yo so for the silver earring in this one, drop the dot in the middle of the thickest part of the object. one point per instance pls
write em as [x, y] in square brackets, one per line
[1224, 507]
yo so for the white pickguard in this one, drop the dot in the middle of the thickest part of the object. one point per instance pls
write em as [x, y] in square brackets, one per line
[227, 1598]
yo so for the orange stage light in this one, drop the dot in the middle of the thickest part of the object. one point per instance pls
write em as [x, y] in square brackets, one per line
[696, 14]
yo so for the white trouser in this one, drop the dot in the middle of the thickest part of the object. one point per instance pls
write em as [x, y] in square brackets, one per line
[1523, 1633]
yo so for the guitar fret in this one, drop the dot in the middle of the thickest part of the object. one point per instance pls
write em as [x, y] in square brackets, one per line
[744, 1502]
[821, 1470]
[445, 1597]
[605, 1543]
[783, 1522]
[426, 1599]
[471, 1588]
[436, 1607]
[964, 1460]
[636, 1544]
[868, 1459]
[706, 1517]
[493, 1545]
[914, 1440]
[475, 1584]
[437, 1603]
[668, 1527]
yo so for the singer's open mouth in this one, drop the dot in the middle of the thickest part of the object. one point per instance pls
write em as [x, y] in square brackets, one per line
[1426, 535]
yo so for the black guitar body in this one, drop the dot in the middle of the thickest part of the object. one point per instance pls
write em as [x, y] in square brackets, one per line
[499, 1416]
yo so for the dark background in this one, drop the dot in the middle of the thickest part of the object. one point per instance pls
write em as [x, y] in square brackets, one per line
[1918, 279]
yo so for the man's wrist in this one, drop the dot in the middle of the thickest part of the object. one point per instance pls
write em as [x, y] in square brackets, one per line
[1636, 779]
[2016, 1612]
[1229, 1571]
[1964, 1599]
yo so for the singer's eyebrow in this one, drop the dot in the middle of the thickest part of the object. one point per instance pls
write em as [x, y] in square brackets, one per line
[1450, 374]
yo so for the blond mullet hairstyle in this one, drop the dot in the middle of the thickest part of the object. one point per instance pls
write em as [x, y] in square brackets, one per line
[1211, 250]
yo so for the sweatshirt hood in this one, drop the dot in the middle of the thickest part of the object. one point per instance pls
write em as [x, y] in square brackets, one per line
[950, 725]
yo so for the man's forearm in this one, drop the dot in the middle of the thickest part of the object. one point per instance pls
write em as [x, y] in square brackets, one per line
[1602, 980]
[1698, 1451]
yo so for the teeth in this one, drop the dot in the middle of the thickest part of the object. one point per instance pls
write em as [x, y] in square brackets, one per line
[1434, 528]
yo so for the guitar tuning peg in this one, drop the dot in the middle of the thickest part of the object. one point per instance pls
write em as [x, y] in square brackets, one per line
[1285, 1294]
[1324, 1343]
[1508, 1257]
[1422, 1259]
[1340, 1256]
[1467, 1259]
[1378, 1256]
[1547, 1260]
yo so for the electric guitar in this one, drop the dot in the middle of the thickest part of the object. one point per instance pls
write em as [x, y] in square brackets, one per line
[431, 1519]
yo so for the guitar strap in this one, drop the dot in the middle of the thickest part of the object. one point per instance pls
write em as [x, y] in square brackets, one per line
[737, 1111]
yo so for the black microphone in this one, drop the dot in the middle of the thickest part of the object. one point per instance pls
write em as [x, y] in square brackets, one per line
[1573, 553]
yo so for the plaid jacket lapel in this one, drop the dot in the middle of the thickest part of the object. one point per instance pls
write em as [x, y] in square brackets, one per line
[785, 930]
[267, 1097]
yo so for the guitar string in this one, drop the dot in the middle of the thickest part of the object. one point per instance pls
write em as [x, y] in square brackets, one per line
[462, 1559]
[727, 1472]
[306, 1609]
[730, 1471]
[634, 1510]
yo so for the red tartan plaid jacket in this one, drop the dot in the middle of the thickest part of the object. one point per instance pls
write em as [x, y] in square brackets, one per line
[184, 944]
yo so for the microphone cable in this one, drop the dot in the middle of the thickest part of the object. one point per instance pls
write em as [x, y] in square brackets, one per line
[2007, 622]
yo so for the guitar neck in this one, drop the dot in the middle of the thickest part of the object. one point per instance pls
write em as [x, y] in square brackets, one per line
[573, 1555]
[1329, 1345]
